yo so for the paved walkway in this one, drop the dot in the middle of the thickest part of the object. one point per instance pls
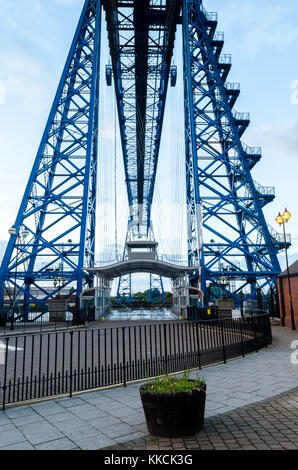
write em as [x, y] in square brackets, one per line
[269, 425]
[114, 418]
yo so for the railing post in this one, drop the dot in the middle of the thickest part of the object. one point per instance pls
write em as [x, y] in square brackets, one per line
[269, 329]
[198, 346]
[124, 356]
[241, 337]
[70, 365]
[254, 331]
[224, 354]
[5, 373]
[166, 347]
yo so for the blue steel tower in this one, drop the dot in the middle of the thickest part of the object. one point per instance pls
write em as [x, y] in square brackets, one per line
[58, 207]
[228, 236]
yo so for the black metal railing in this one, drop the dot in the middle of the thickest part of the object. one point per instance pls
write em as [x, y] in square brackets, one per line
[57, 363]
[41, 321]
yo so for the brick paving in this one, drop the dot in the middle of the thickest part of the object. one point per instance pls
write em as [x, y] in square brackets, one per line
[268, 425]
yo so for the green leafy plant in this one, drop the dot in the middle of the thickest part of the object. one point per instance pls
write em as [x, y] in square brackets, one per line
[171, 384]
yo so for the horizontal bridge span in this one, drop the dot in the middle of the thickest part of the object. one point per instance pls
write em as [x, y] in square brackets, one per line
[161, 268]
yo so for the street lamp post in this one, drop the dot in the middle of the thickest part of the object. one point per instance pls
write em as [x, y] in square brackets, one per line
[13, 232]
[281, 220]
[223, 283]
[60, 283]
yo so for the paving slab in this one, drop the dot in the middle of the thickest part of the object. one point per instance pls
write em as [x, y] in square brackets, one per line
[25, 445]
[118, 431]
[10, 436]
[37, 433]
[101, 423]
[70, 402]
[29, 419]
[60, 417]
[48, 408]
[57, 444]
[94, 442]
[19, 412]
[76, 429]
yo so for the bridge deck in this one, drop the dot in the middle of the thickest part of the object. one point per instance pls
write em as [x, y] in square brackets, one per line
[123, 268]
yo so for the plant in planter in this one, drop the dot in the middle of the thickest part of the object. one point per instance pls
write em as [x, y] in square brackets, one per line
[174, 406]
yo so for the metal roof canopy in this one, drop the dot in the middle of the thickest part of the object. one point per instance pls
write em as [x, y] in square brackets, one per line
[161, 268]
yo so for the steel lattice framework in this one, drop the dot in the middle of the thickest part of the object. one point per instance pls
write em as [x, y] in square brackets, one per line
[223, 200]
[60, 198]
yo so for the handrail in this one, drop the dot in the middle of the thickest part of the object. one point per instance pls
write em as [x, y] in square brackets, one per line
[117, 355]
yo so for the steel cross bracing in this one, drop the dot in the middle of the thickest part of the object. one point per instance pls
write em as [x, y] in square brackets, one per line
[227, 232]
[141, 36]
[156, 289]
[58, 207]
[156, 293]
[224, 202]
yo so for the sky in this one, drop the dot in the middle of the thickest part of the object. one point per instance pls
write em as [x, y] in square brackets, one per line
[261, 35]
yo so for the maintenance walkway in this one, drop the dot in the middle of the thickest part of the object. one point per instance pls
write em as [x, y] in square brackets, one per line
[251, 403]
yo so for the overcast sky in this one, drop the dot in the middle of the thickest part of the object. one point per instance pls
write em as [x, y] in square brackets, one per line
[261, 35]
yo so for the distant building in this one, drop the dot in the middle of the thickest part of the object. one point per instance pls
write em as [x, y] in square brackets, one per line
[284, 295]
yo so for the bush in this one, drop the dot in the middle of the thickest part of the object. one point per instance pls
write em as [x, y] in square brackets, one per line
[172, 384]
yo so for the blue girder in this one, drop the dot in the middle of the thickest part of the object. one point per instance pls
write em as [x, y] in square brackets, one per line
[58, 207]
[224, 202]
[141, 36]
[227, 232]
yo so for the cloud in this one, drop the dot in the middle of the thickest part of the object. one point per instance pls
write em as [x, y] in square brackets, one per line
[279, 139]
[260, 25]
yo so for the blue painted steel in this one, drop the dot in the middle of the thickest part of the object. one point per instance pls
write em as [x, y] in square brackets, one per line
[223, 200]
[124, 291]
[157, 293]
[141, 36]
[58, 207]
[228, 238]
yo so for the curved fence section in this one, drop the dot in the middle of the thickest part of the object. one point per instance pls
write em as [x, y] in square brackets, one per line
[43, 365]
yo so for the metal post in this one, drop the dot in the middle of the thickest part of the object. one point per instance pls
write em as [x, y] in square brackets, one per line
[289, 281]
[5, 374]
[70, 365]
[15, 285]
[223, 342]
[282, 299]
[198, 345]
[124, 358]
[254, 329]
[241, 336]
[166, 348]
[241, 303]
